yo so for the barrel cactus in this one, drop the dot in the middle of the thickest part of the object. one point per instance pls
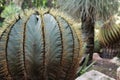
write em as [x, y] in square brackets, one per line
[39, 45]
[108, 37]
[109, 34]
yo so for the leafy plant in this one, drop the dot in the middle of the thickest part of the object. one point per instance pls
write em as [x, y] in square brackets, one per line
[1, 24]
[2, 6]
[10, 10]
[97, 46]
[39, 45]
[85, 67]
[2, 2]
[44, 3]
[38, 3]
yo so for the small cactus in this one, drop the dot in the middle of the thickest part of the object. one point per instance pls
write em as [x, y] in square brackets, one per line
[109, 34]
[39, 45]
[108, 38]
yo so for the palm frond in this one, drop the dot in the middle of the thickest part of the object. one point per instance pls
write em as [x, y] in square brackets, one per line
[103, 8]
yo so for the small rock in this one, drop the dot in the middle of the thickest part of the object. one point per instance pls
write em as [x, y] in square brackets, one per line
[94, 75]
[118, 73]
[96, 57]
[115, 60]
[110, 69]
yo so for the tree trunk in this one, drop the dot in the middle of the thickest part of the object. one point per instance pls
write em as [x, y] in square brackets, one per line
[88, 32]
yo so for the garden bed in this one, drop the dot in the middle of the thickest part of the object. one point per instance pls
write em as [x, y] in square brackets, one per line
[105, 66]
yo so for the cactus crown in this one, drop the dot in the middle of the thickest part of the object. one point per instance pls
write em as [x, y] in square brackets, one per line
[39, 45]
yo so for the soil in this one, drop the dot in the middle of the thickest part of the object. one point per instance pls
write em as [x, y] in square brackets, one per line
[106, 66]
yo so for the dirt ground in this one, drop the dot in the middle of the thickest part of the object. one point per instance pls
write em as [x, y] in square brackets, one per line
[105, 66]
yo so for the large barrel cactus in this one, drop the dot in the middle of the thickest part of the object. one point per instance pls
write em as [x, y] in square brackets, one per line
[39, 45]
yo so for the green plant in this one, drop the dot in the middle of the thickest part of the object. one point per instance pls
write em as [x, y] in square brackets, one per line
[38, 3]
[1, 24]
[97, 46]
[10, 10]
[2, 6]
[2, 2]
[39, 45]
[85, 67]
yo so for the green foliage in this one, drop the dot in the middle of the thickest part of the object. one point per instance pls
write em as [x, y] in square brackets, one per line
[38, 3]
[2, 2]
[39, 45]
[97, 46]
[10, 10]
[1, 24]
[44, 3]
[84, 68]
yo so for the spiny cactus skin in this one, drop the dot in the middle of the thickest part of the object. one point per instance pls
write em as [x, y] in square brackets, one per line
[39, 45]
[108, 37]
[109, 34]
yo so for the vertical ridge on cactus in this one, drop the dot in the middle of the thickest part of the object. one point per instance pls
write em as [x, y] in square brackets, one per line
[33, 46]
[4, 68]
[14, 50]
[39, 46]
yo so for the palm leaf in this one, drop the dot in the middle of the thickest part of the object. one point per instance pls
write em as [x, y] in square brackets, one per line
[103, 8]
